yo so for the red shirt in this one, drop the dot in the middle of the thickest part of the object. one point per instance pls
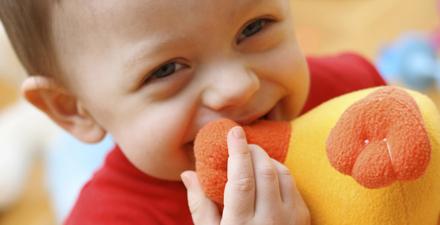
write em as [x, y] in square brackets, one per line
[120, 194]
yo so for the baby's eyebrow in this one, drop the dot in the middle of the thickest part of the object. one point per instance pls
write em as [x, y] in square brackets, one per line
[143, 50]
[243, 7]
[153, 47]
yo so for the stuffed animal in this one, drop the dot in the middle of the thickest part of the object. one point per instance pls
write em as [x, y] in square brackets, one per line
[368, 157]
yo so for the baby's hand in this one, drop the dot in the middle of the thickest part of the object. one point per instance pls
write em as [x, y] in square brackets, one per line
[259, 190]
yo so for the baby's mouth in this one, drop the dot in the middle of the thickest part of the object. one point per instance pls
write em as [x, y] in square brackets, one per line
[273, 114]
[265, 117]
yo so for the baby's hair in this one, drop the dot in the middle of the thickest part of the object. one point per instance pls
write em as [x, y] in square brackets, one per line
[28, 25]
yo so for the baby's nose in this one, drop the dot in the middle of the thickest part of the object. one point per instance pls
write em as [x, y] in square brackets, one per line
[231, 86]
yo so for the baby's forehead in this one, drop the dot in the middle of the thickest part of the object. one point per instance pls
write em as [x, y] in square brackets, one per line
[111, 18]
[107, 11]
[115, 27]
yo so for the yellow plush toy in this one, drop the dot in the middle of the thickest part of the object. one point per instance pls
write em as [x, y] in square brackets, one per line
[369, 157]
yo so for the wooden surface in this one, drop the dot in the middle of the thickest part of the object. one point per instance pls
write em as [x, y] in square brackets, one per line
[323, 26]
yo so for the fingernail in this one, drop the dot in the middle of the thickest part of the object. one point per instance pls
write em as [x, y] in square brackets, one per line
[185, 180]
[238, 132]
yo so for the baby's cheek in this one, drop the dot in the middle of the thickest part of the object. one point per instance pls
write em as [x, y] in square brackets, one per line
[295, 78]
[156, 150]
[146, 135]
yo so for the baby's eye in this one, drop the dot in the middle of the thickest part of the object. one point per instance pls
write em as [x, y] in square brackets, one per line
[252, 29]
[166, 70]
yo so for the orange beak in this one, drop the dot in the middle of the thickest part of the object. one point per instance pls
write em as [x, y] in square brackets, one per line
[380, 139]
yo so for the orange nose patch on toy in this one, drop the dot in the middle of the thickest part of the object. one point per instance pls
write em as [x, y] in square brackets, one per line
[211, 152]
[380, 139]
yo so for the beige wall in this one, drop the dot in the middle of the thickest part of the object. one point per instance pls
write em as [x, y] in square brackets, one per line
[326, 26]
[11, 72]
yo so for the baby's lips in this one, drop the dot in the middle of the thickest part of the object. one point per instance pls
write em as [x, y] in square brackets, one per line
[211, 152]
[380, 139]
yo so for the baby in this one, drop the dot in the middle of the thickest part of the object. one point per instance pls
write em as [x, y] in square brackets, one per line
[151, 73]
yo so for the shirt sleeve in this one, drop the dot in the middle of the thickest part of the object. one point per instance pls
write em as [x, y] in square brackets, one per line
[120, 194]
[337, 75]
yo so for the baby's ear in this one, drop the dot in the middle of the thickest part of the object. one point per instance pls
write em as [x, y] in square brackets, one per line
[62, 107]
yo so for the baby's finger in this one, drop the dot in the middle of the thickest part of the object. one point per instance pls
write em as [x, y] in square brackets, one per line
[239, 195]
[290, 194]
[266, 178]
[203, 210]
[287, 187]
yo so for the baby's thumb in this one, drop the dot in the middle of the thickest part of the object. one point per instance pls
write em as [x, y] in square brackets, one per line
[203, 210]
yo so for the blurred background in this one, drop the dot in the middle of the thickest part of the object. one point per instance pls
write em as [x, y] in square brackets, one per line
[42, 168]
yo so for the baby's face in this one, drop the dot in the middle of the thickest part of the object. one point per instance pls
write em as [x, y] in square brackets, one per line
[152, 73]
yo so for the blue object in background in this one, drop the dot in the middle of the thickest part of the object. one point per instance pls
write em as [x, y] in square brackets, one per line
[70, 164]
[411, 60]
[437, 74]
[418, 63]
[387, 64]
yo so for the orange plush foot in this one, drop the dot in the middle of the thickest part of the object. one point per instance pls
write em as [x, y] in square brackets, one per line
[210, 149]
[380, 139]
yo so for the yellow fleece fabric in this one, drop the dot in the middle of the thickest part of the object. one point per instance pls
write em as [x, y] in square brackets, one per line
[337, 199]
